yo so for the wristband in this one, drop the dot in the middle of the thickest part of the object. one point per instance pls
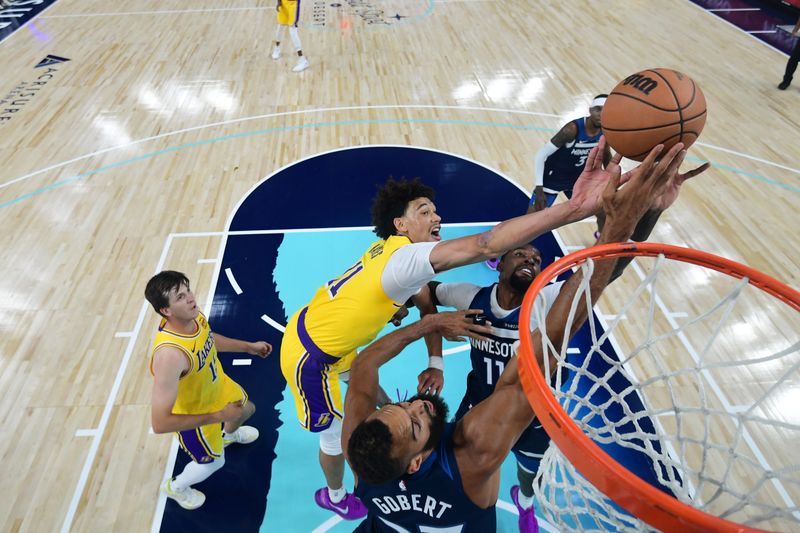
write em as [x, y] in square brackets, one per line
[436, 361]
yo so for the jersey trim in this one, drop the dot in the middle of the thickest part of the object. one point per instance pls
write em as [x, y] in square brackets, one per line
[183, 350]
[193, 335]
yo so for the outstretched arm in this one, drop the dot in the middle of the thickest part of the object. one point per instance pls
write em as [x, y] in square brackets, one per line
[486, 434]
[432, 378]
[659, 204]
[362, 391]
[517, 231]
[227, 344]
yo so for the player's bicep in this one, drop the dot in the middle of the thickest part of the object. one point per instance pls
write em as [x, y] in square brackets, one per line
[359, 403]
[566, 134]
[490, 436]
[459, 252]
[168, 366]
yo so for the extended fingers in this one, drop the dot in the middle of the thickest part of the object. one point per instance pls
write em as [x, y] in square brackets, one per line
[666, 165]
[695, 171]
[644, 170]
[674, 164]
[478, 331]
[594, 160]
[615, 161]
[613, 183]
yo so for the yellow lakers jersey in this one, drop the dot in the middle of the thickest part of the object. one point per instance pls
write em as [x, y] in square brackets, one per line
[350, 311]
[200, 389]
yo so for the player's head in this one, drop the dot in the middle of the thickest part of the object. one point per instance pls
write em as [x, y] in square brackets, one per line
[396, 439]
[519, 267]
[405, 207]
[169, 294]
[596, 109]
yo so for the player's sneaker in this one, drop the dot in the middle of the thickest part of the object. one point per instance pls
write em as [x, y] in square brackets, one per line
[187, 498]
[243, 435]
[783, 85]
[301, 65]
[492, 263]
[276, 52]
[527, 518]
[350, 508]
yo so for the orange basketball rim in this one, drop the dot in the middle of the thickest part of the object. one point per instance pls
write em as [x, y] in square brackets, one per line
[625, 488]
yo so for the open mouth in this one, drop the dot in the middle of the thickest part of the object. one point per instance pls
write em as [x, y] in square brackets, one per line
[435, 234]
[525, 272]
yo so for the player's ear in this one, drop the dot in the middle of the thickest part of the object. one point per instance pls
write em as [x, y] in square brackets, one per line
[400, 224]
[414, 464]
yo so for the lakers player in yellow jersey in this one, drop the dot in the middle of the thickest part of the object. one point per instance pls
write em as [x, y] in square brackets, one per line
[321, 339]
[288, 17]
[192, 395]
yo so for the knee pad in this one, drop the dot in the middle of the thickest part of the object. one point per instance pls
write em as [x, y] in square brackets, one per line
[330, 440]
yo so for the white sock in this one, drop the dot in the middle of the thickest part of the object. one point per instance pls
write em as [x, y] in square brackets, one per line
[336, 495]
[525, 501]
[295, 35]
[194, 473]
[279, 33]
[226, 434]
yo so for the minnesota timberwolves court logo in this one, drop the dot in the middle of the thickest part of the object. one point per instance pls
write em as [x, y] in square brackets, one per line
[290, 234]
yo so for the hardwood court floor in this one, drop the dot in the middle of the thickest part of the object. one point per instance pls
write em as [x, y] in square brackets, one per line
[168, 111]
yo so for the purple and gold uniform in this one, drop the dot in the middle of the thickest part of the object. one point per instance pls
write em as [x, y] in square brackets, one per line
[289, 12]
[204, 388]
[321, 339]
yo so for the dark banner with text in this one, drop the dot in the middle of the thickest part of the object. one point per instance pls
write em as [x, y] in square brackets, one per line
[14, 14]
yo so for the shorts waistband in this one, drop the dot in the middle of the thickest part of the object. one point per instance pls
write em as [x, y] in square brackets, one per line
[305, 339]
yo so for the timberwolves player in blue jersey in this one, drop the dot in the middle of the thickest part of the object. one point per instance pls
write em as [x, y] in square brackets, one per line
[501, 304]
[559, 162]
[415, 472]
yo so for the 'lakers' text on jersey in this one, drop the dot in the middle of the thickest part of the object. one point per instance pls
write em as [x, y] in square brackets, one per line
[200, 389]
[430, 499]
[562, 169]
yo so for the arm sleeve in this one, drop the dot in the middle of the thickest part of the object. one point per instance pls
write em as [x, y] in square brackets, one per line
[407, 271]
[458, 295]
[538, 162]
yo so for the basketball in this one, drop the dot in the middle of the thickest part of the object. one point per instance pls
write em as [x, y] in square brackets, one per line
[654, 106]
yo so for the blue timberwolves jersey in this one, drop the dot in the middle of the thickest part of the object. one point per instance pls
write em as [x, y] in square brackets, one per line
[428, 500]
[488, 357]
[562, 169]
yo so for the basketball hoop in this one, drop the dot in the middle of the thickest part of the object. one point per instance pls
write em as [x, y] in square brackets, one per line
[704, 500]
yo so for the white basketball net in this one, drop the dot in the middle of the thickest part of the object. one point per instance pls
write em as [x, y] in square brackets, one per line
[720, 389]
